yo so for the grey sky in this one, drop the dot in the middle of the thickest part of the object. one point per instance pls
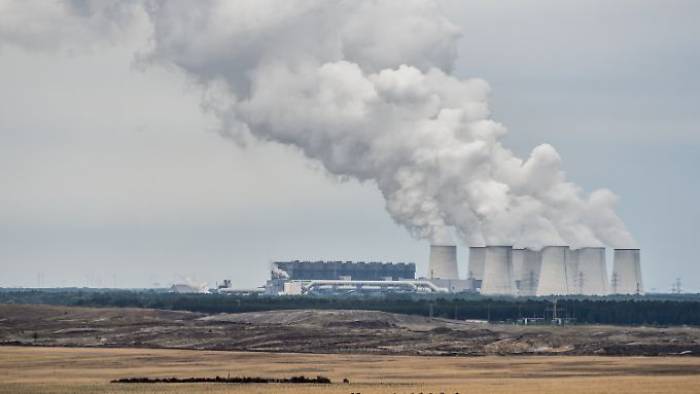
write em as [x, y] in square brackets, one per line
[111, 173]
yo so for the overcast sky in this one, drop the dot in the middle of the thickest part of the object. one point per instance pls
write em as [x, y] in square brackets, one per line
[112, 174]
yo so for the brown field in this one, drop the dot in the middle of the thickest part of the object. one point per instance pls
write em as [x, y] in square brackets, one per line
[328, 331]
[83, 370]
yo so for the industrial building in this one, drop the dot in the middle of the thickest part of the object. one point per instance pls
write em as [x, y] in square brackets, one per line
[341, 277]
[498, 270]
[189, 288]
[309, 270]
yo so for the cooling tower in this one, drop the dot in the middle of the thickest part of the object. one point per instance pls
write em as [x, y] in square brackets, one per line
[518, 269]
[526, 271]
[592, 277]
[572, 273]
[498, 271]
[627, 272]
[553, 274]
[443, 262]
[477, 258]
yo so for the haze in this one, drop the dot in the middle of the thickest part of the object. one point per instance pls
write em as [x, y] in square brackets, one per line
[113, 175]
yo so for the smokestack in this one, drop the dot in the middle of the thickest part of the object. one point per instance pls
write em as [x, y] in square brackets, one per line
[443, 262]
[592, 276]
[553, 275]
[498, 271]
[627, 272]
[477, 258]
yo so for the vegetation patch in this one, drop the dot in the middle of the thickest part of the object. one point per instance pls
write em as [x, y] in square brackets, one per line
[219, 379]
[661, 310]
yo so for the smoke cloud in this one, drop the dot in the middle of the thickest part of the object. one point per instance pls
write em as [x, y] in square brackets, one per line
[366, 89]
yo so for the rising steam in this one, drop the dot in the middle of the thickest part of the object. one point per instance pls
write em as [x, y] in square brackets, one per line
[365, 88]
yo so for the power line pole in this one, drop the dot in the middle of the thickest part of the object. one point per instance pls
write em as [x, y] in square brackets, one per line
[676, 286]
[553, 309]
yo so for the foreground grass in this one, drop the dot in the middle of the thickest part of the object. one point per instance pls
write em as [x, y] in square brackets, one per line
[81, 370]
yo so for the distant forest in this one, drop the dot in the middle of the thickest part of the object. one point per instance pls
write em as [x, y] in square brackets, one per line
[662, 310]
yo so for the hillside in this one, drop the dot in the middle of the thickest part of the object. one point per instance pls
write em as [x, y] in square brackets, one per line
[327, 331]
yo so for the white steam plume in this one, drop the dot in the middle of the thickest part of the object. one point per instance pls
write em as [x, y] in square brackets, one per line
[365, 88]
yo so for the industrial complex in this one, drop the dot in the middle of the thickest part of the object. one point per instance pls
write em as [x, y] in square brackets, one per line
[498, 270]
[491, 270]
[304, 277]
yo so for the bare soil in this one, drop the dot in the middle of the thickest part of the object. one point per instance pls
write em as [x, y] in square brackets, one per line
[327, 331]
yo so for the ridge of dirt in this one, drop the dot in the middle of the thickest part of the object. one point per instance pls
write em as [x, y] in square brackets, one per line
[327, 331]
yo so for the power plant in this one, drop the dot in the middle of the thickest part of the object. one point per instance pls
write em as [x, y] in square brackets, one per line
[495, 270]
[346, 277]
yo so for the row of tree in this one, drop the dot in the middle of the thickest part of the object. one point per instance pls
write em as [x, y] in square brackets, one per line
[602, 310]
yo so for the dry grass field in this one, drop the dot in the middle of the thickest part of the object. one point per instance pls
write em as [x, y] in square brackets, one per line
[87, 370]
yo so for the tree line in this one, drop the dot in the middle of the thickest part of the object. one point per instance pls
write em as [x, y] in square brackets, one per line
[592, 310]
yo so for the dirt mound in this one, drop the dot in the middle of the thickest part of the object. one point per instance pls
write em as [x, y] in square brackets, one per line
[323, 318]
[327, 331]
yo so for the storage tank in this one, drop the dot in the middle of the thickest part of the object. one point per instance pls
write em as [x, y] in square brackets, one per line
[443, 262]
[627, 272]
[498, 271]
[553, 274]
